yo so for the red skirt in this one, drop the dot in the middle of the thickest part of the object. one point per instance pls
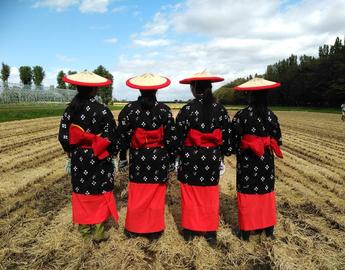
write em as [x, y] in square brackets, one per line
[145, 208]
[256, 211]
[93, 209]
[200, 207]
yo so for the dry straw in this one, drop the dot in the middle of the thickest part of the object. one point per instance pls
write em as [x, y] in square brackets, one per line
[36, 230]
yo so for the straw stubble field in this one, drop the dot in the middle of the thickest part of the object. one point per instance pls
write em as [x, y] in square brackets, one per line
[35, 211]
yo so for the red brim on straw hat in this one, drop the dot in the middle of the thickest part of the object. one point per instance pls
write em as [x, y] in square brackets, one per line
[257, 84]
[202, 76]
[148, 81]
[86, 78]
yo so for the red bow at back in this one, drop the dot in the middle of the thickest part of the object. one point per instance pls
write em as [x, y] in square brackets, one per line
[198, 138]
[99, 145]
[143, 138]
[257, 144]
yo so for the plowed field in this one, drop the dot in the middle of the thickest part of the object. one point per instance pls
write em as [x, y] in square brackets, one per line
[36, 231]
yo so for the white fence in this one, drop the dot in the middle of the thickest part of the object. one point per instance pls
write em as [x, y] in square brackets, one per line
[17, 93]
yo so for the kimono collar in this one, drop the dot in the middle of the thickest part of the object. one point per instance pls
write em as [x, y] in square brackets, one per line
[199, 98]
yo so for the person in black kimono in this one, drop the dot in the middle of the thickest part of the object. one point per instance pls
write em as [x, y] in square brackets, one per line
[146, 128]
[203, 130]
[87, 135]
[256, 137]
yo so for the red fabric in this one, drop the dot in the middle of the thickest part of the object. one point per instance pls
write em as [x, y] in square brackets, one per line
[93, 209]
[143, 138]
[145, 208]
[257, 144]
[98, 144]
[256, 211]
[200, 207]
[198, 138]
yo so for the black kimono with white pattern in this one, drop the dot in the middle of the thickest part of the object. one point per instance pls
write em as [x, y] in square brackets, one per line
[255, 175]
[199, 166]
[147, 165]
[89, 174]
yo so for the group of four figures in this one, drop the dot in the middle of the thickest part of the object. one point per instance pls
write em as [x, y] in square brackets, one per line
[199, 139]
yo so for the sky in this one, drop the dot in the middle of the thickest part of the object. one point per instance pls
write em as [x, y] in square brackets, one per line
[173, 38]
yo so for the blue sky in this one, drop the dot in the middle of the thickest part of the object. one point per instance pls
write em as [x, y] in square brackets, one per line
[172, 38]
[51, 37]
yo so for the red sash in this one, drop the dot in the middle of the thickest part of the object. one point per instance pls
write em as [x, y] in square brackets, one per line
[198, 138]
[257, 144]
[99, 145]
[143, 138]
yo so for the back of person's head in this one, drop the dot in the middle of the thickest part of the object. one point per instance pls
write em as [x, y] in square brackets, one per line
[204, 90]
[84, 93]
[259, 101]
[258, 98]
[147, 99]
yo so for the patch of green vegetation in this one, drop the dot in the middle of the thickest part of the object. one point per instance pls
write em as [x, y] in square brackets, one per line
[116, 107]
[295, 109]
[11, 112]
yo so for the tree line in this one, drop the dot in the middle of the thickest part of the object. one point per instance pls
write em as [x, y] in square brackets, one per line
[306, 80]
[36, 75]
[27, 74]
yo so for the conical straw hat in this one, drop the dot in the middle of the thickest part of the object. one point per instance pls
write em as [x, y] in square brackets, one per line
[202, 76]
[86, 78]
[148, 81]
[257, 84]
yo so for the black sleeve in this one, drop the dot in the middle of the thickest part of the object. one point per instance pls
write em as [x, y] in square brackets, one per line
[109, 130]
[237, 132]
[123, 155]
[182, 127]
[124, 129]
[170, 134]
[226, 127]
[276, 132]
[64, 131]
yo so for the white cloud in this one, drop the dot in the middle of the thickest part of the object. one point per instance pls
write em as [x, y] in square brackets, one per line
[94, 6]
[65, 58]
[112, 40]
[14, 75]
[158, 26]
[85, 6]
[58, 5]
[136, 13]
[119, 9]
[51, 75]
[230, 38]
[151, 42]
[120, 90]
[259, 19]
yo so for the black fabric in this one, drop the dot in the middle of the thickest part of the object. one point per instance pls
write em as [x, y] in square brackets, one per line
[123, 155]
[200, 165]
[147, 165]
[255, 175]
[89, 174]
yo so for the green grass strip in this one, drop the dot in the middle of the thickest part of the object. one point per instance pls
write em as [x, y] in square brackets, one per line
[30, 111]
